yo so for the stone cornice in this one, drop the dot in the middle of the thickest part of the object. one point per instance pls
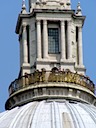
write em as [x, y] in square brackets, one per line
[30, 15]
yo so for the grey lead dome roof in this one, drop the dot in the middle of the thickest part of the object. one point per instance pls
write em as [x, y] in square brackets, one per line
[50, 114]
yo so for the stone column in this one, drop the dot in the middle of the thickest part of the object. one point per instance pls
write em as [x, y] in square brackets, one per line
[63, 51]
[20, 41]
[45, 39]
[30, 41]
[69, 49]
[80, 51]
[25, 47]
[38, 39]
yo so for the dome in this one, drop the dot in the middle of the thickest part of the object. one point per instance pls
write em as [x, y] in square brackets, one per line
[52, 89]
[50, 114]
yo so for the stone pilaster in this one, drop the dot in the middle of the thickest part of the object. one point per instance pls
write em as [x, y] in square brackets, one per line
[21, 51]
[38, 39]
[25, 47]
[69, 49]
[45, 39]
[80, 51]
[63, 51]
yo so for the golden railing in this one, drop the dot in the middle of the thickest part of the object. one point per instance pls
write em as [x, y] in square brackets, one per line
[50, 76]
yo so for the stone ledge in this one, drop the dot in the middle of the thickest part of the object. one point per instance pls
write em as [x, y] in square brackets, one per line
[48, 91]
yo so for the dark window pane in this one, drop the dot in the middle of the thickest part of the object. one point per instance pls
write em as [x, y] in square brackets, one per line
[53, 40]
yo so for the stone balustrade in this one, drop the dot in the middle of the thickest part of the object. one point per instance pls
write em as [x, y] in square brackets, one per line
[44, 76]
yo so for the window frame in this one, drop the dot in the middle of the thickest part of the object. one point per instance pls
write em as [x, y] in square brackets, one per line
[50, 26]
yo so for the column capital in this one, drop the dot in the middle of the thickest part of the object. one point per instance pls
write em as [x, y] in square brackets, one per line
[45, 22]
[69, 22]
[62, 23]
[24, 25]
[80, 28]
[38, 21]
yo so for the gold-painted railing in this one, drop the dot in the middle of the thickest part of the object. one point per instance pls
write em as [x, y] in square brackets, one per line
[50, 76]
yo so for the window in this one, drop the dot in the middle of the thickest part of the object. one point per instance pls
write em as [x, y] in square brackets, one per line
[53, 40]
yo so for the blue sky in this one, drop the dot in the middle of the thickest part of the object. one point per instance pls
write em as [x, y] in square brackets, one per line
[9, 45]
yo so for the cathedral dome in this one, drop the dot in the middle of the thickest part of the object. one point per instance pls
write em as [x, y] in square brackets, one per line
[50, 114]
[52, 89]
